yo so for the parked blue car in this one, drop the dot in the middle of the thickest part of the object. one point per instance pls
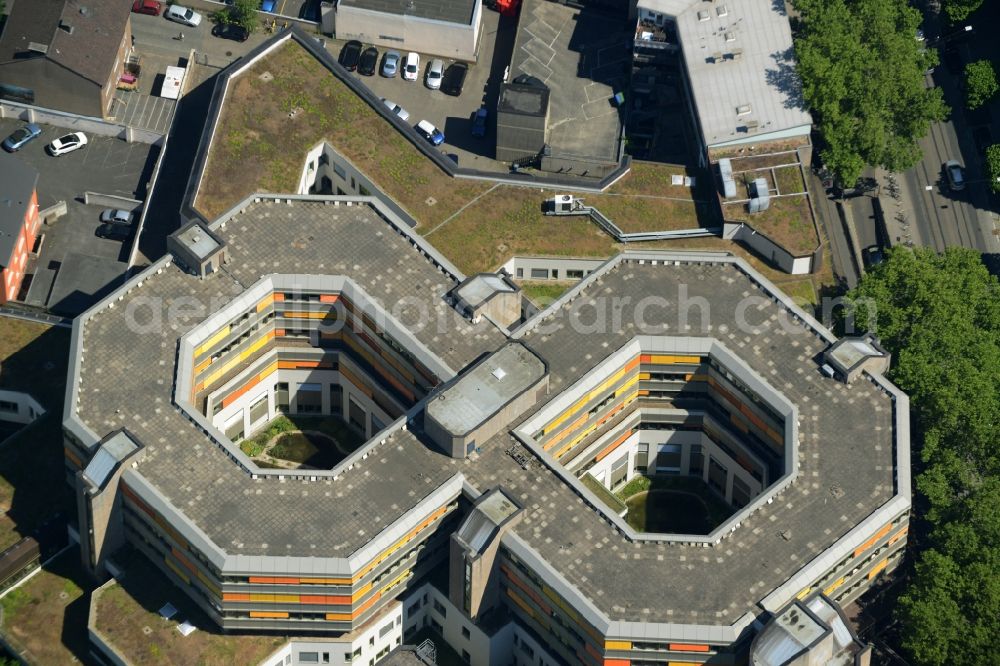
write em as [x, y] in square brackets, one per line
[479, 122]
[21, 137]
[431, 133]
[268, 6]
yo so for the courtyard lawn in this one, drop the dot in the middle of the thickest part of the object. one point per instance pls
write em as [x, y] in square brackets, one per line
[318, 442]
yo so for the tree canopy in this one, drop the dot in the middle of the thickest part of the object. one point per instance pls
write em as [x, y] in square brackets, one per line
[993, 166]
[980, 83]
[959, 10]
[862, 72]
[244, 13]
[940, 317]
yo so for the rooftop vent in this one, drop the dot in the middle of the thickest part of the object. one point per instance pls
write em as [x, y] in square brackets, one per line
[737, 54]
[743, 110]
[38, 48]
[84, 11]
[722, 10]
[730, 36]
[499, 374]
[703, 15]
[66, 26]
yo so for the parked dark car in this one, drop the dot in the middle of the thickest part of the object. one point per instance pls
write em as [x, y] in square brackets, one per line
[20, 137]
[237, 33]
[369, 61]
[113, 231]
[479, 122]
[350, 55]
[872, 256]
[454, 79]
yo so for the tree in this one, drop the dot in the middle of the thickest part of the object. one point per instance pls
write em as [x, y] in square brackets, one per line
[980, 83]
[244, 13]
[862, 77]
[940, 317]
[993, 166]
[959, 10]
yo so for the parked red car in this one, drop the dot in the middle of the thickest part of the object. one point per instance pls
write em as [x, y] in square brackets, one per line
[151, 7]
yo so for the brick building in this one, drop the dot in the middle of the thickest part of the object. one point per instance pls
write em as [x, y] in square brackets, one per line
[19, 222]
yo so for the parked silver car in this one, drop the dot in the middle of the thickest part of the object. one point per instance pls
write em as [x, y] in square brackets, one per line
[117, 216]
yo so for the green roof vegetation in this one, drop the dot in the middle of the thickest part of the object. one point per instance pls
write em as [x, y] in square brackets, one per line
[45, 620]
[788, 222]
[125, 609]
[259, 147]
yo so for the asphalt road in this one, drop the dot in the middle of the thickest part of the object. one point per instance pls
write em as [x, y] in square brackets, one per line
[927, 212]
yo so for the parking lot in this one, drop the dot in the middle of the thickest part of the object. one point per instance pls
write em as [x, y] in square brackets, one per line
[74, 267]
[453, 115]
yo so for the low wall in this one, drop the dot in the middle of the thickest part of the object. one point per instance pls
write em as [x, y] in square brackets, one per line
[770, 250]
[19, 407]
[77, 123]
[111, 200]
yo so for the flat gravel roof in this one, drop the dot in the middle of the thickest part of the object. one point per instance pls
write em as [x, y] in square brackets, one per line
[846, 446]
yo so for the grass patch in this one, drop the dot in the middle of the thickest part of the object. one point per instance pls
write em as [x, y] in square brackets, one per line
[45, 619]
[255, 445]
[803, 292]
[33, 358]
[335, 441]
[544, 294]
[668, 512]
[123, 609]
[789, 180]
[639, 484]
[788, 222]
[672, 504]
[259, 148]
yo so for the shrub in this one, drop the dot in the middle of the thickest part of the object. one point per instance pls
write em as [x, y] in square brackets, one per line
[980, 83]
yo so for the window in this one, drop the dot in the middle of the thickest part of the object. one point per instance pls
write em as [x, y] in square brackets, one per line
[540, 273]
[669, 459]
[309, 657]
[520, 272]
[619, 470]
[258, 410]
[326, 658]
[466, 634]
[384, 630]
[697, 461]
[642, 458]
[574, 275]
[470, 447]
[439, 607]
[336, 399]
[6, 406]
[339, 170]
[717, 475]
[281, 396]
[466, 657]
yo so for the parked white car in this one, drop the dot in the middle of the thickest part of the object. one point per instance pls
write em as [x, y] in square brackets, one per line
[183, 15]
[67, 144]
[411, 69]
[435, 72]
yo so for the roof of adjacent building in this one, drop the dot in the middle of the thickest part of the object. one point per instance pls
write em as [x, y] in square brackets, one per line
[851, 437]
[17, 185]
[477, 289]
[452, 11]
[486, 388]
[738, 54]
[90, 50]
